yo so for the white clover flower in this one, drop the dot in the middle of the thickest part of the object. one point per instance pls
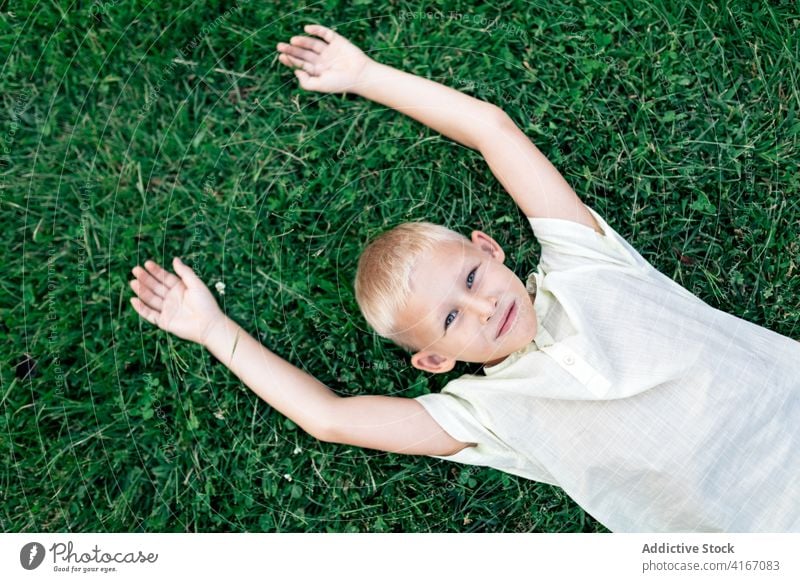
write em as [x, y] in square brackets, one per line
[297, 450]
[287, 477]
[220, 286]
[219, 414]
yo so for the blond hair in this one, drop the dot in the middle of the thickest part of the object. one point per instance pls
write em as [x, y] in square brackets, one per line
[383, 277]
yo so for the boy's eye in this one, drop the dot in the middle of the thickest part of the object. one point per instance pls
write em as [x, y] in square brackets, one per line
[470, 283]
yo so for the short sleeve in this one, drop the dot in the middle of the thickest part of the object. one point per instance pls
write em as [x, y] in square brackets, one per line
[567, 244]
[456, 417]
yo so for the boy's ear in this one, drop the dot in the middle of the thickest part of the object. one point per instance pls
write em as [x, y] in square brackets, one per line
[432, 362]
[488, 245]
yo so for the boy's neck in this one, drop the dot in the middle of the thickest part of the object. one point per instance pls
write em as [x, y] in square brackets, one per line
[494, 362]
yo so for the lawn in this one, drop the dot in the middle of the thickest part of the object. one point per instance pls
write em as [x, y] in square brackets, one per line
[134, 130]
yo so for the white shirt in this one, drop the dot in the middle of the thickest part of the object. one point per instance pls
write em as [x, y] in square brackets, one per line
[652, 410]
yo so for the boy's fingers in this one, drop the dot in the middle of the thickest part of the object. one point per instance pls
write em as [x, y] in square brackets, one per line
[143, 310]
[294, 61]
[319, 30]
[186, 274]
[148, 281]
[288, 60]
[147, 296]
[161, 273]
[300, 53]
[309, 43]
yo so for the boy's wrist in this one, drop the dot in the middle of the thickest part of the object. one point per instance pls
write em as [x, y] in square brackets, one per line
[366, 78]
[216, 332]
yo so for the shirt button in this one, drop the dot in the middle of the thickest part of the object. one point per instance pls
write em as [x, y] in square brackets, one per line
[568, 360]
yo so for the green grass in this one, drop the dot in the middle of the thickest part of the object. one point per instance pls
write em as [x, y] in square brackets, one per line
[677, 121]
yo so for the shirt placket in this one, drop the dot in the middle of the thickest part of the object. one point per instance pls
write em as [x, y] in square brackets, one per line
[573, 363]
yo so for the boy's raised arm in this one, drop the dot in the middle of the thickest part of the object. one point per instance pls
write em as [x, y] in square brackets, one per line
[389, 423]
[181, 304]
[386, 423]
[294, 393]
[333, 64]
[536, 186]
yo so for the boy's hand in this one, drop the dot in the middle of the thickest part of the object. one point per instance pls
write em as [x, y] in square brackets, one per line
[181, 304]
[330, 65]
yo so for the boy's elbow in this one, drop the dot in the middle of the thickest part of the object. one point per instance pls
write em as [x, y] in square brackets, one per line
[322, 423]
[496, 120]
[324, 434]
[499, 117]
[325, 430]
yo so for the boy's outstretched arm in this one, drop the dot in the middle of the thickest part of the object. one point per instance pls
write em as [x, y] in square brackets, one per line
[181, 304]
[332, 64]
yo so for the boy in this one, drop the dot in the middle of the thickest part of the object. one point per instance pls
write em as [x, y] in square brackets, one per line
[652, 410]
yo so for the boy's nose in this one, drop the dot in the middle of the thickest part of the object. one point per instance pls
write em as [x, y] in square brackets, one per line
[486, 307]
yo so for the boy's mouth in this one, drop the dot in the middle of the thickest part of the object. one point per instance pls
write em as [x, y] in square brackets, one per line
[508, 319]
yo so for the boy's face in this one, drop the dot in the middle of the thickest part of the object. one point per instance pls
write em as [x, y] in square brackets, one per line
[448, 290]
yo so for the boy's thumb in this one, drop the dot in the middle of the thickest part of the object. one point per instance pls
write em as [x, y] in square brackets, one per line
[307, 82]
[186, 273]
